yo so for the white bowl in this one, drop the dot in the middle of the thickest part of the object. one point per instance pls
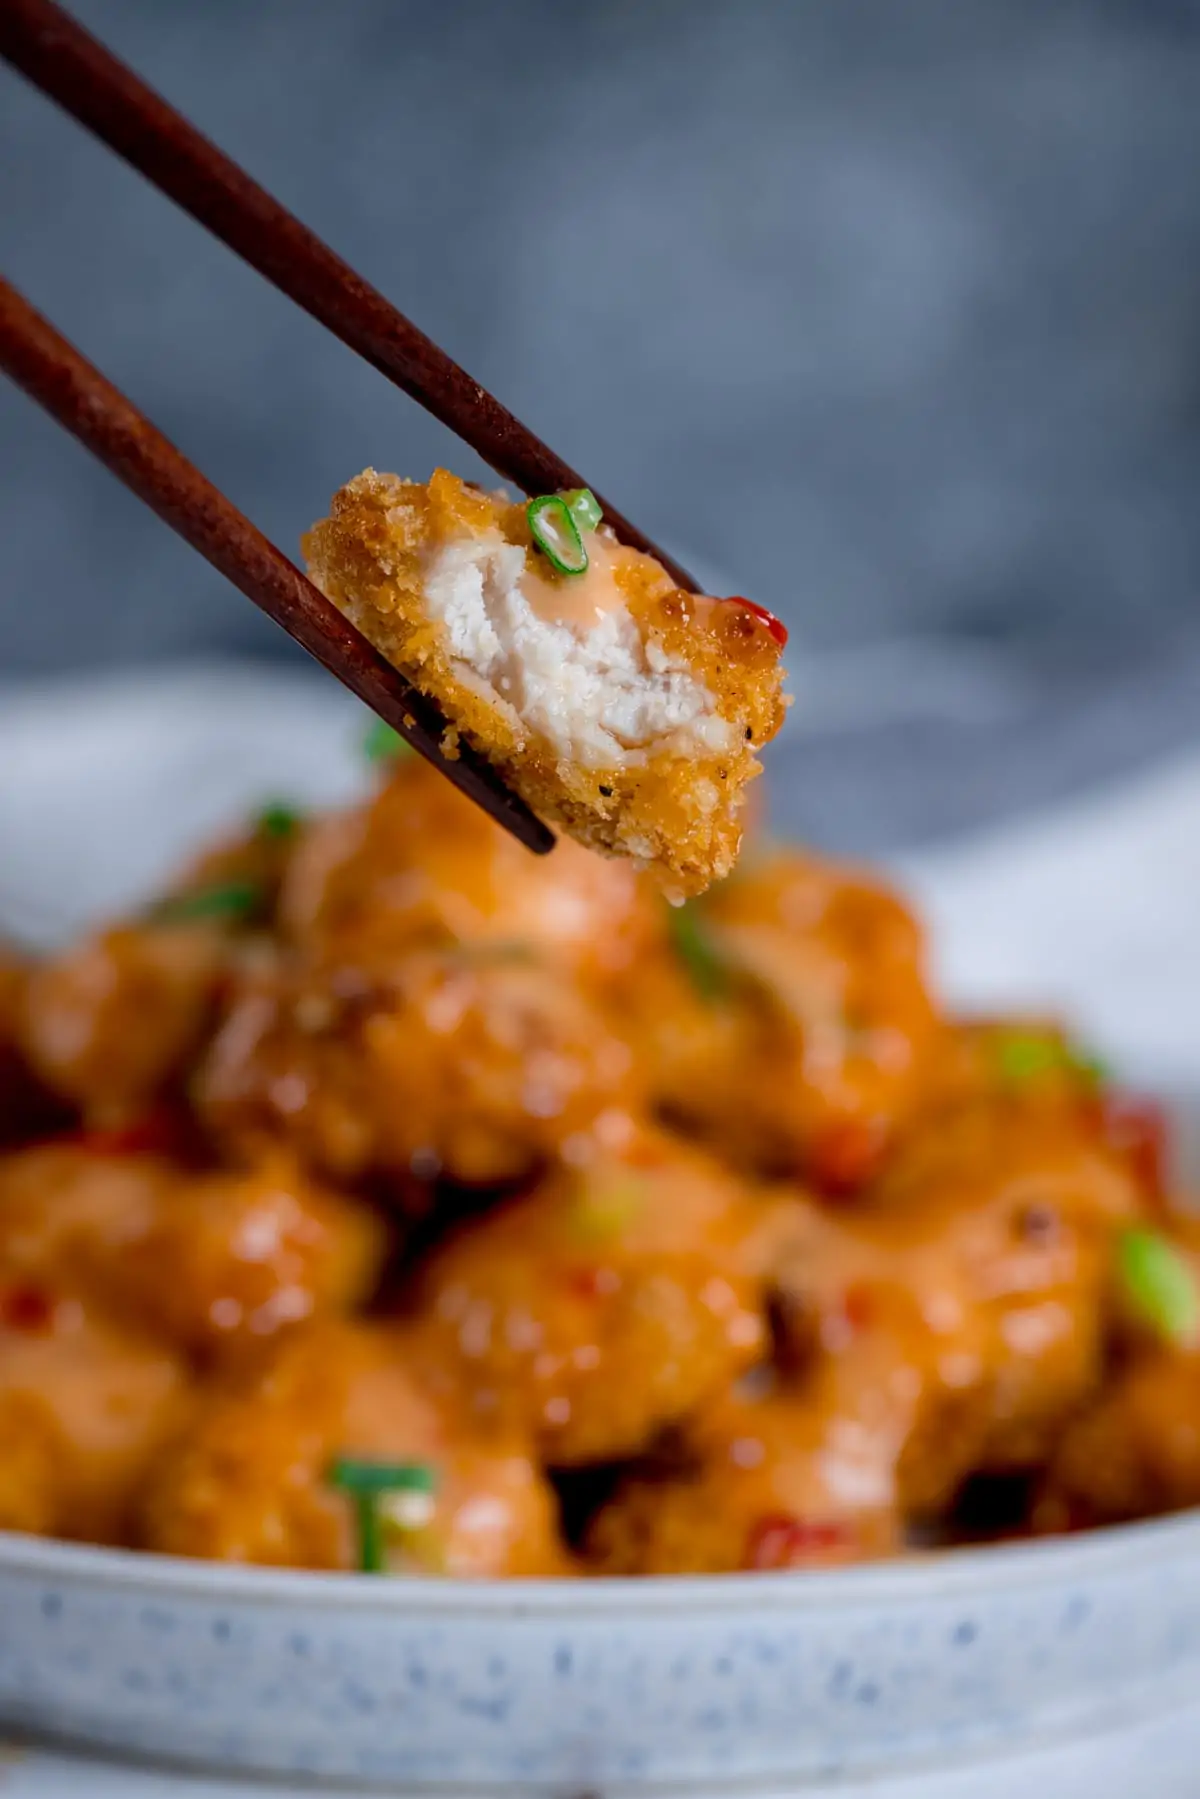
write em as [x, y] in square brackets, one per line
[575, 1686]
[564, 1686]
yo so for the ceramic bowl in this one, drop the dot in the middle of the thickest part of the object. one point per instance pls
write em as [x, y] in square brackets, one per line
[568, 1687]
[574, 1687]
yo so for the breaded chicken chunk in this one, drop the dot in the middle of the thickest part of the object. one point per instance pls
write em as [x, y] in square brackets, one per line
[607, 1303]
[789, 1022]
[215, 1262]
[85, 1404]
[758, 1484]
[254, 1476]
[616, 704]
[456, 1062]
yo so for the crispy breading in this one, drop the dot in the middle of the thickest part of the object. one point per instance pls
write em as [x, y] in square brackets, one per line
[634, 724]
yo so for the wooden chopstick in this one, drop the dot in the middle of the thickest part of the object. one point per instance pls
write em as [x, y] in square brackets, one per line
[54, 373]
[72, 68]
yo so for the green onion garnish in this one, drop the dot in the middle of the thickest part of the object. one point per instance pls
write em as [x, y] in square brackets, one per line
[1159, 1285]
[355, 1475]
[395, 1495]
[232, 900]
[554, 530]
[1021, 1060]
[711, 971]
[383, 744]
[604, 1210]
[277, 822]
[584, 507]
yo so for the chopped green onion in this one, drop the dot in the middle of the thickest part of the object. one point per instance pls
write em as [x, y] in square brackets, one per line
[604, 1211]
[383, 744]
[1159, 1285]
[554, 530]
[712, 973]
[1022, 1059]
[356, 1475]
[584, 507]
[397, 1495]
[233, 900]
[277, 822]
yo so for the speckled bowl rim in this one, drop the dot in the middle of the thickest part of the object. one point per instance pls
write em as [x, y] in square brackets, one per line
[945, 1573]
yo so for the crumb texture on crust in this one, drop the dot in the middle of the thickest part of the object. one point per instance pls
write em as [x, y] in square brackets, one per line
[617, 705]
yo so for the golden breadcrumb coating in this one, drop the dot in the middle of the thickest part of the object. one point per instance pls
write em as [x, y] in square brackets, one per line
[633, 722]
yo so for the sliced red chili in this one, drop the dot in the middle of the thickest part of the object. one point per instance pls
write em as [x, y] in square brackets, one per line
[774, 626]
[783, 1541]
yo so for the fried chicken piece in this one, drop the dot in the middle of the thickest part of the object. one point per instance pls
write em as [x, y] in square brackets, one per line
[27, 1108]
[788, 1020]
[1132, 1453]
[472, 1062]
[984, 1257]
[1037, 1061]
[615, 703]
[215, 1263]
[420, 867]
[112, 1022]
[784, 1481]
[85, 1405]
[249, 1480]
[609, 1302]
[1135, 1449]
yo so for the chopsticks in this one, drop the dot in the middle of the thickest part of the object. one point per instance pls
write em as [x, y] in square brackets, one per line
[54, 373]
[72, 68]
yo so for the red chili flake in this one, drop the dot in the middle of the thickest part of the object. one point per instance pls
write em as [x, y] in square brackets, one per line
[845, 1156]
[27, 1309]
[591, 1283]
[774, 626]
[149, 1136]
[858, 1305]
[1136, 1129]
[782, 1541]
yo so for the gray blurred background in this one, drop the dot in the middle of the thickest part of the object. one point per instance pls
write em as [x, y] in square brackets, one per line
[884, 312]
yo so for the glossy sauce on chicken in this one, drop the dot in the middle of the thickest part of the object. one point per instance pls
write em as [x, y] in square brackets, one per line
[383, 1188]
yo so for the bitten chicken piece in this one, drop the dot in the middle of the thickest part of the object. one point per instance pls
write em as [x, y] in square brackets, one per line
[250, 1479]
[475, 1062]
[615, 703]
[215, 1263]
[983, 1257]
[85, 1406]
[789, 1022]
[783, 1481]
[608, 1303]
